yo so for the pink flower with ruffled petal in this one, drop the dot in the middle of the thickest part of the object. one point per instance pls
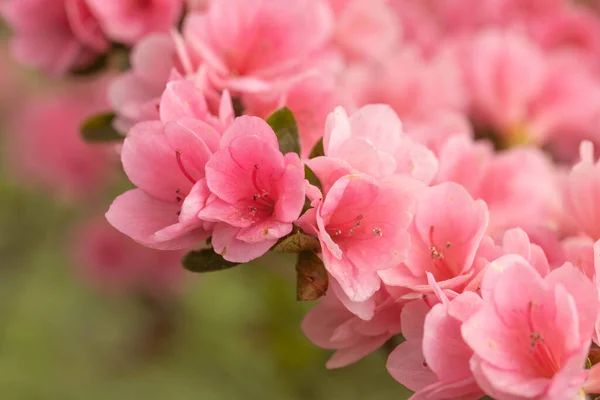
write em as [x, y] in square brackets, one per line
[256, 192]
[127, 21]
[435, 361]
[54, 35]
[166, 160]
[362, 226]
[445, 235]
[331, 325]
[371, 141]
[250, 46]
[532, 335]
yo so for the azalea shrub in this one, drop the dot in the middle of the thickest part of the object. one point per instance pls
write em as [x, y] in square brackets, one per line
[429, 165]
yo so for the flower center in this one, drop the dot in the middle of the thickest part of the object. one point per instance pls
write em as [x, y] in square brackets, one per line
[262, 202]
[543, 359]
[441, 269]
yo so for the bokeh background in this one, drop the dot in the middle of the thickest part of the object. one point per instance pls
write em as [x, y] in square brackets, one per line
[229, 335]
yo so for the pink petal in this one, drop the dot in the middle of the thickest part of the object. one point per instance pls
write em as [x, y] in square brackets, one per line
[225, 243]
[151, 164]
[140, 216]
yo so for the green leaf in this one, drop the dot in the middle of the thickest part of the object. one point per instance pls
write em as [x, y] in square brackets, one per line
[311, 277]
[318, 150]
[99, 128]
[311, 177]
[296, 242]
[206, 260]
[284, 124]
[97, 66]
[238, 106]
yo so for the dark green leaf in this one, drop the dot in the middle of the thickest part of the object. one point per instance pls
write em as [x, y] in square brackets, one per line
[99, 128]
[311, 277]
[206, 260]
[318, 150]
[238, 106]
[284, 124]
[311, 177]
[98, 65]
[296, 242]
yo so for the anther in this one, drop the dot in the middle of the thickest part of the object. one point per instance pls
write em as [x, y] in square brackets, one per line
[178, 198]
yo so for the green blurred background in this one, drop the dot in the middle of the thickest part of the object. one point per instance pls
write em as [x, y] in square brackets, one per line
[230, 335]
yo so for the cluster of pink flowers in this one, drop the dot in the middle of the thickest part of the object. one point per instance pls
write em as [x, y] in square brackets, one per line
[457, 196]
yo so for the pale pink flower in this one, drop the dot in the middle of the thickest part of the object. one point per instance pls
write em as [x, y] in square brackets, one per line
[127, 21]
[114, 263]
[582, 193]
[362, 226]
[445, 235]
[135, 95]
[256, 192]
[465, 161]
[331, 326]
[45, 146]
[434, 361]
[521, 190]
[365, 30]
[250, 46]
[371, 141]
[54, 35]
[416, 87]
[532, 335]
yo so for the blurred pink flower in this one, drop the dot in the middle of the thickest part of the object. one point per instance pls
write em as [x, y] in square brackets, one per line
[54, 35]
[45, 146]
[128, 21]
[250, 46]
[114, 263]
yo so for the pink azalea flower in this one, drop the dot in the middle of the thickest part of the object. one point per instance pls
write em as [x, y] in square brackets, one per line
[256, 193]
[166, 160]
[114, 263]
[331, 326]
[371, 141]
[46, 148]
[257, 45]
[521, 190]
[127, 21]
[365, 30]
[135, 95]
[54, 35]
[434, 361]
[445, 235]
[582, 193]
[416, 87]
[362, 226]
[532, 335]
